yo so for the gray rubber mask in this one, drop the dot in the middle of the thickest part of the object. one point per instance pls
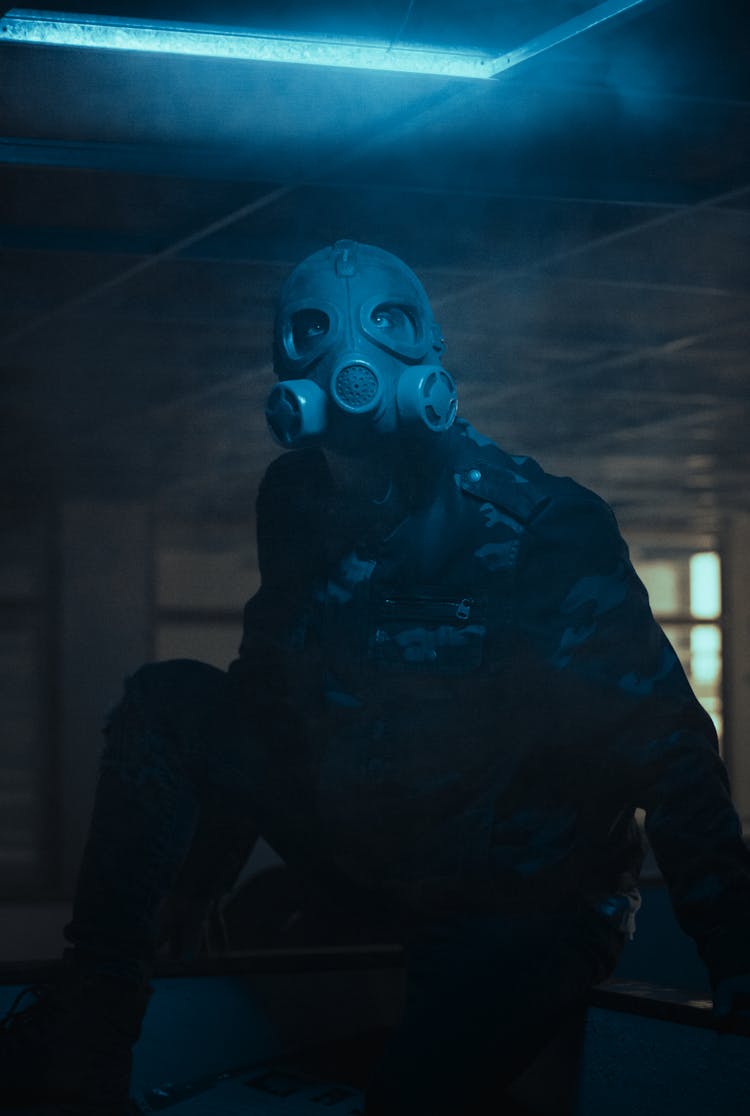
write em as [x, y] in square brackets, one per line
[357, 351]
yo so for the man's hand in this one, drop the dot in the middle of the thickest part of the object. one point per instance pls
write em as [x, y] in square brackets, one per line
[732, 997]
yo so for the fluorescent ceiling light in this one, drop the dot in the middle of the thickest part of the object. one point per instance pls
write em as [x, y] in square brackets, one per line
[121, 33]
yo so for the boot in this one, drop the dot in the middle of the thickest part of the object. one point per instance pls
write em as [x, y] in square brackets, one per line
[72, 1045]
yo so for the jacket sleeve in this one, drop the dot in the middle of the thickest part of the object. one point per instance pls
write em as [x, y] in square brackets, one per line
[290, 532]
[617, 684]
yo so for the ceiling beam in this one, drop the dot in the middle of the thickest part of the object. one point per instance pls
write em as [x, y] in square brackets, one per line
[144, 246]
[175, 248]
[230, 164]
[554, 259]
[414, 116]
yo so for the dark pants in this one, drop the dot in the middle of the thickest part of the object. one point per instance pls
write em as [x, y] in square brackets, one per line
[485, 994]
[174, 806]
[188, 779]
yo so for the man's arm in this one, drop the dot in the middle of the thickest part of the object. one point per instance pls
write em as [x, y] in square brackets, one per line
[618, 683]
[290, 521]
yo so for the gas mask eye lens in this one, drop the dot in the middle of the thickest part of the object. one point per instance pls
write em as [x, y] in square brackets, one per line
[308, 327]
[395, 323]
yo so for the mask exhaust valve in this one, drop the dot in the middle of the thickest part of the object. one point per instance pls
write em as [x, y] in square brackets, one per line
[356, 388]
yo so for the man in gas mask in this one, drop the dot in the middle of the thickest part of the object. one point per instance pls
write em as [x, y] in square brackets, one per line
[450, 698]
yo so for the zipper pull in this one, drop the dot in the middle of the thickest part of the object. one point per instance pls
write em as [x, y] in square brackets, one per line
[463, 608]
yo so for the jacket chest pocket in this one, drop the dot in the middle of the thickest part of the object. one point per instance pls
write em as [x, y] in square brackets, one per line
[426, 634]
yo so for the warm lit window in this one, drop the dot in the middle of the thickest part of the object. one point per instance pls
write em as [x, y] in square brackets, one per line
[685, 593]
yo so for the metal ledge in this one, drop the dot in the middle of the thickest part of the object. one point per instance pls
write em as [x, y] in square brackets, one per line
[652, 1001]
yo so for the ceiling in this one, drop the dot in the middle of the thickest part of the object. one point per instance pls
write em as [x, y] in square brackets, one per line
[581, 223]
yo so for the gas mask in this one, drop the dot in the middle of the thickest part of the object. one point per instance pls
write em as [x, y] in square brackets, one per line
[357, 351]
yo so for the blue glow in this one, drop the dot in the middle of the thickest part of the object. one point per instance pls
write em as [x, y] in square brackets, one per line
[110, 33]
[105, 33]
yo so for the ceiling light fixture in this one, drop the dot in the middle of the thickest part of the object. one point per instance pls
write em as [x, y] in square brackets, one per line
[21, 25]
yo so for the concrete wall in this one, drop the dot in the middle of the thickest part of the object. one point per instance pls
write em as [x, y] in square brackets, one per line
[106, 632]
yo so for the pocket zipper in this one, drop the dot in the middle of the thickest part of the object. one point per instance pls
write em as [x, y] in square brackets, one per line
[423, 608]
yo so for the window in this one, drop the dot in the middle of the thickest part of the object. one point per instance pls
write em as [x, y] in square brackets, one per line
[685, 592]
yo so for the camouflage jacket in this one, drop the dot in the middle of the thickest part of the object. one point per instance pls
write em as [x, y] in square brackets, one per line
[480, 698]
